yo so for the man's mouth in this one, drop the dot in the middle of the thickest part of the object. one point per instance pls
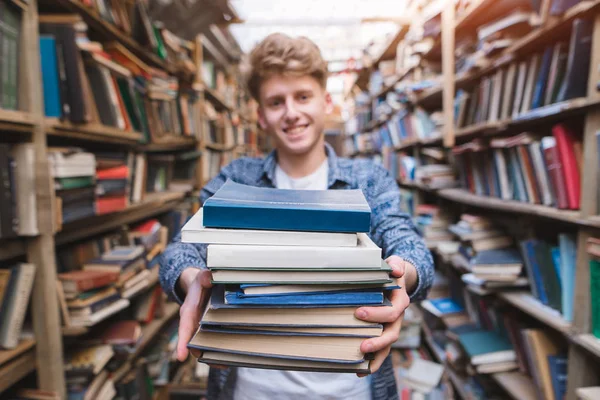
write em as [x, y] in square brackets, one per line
[292, 130]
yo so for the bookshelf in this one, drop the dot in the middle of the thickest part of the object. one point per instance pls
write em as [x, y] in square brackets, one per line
[26, 122]
[440, 89]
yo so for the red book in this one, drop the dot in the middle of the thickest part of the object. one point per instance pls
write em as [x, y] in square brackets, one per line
[120, 172]
[554, 167]
[565, 145]
[81, 281]
[106, 205]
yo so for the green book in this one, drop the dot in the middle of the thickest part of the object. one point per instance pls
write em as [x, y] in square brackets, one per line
[73, 183]
[485, 347]
[595, 296]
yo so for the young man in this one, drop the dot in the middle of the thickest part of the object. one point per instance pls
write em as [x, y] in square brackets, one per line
[287, 76]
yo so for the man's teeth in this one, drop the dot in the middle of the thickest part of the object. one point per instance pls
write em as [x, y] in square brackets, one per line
[296, 129]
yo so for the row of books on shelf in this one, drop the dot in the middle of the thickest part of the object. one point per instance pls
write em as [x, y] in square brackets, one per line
[88, 82]
[88, 184]
[493, 260]
[405, 126]
[479, 336]
[10, 28]
[557, 74]
[534, 168]
[109, 285]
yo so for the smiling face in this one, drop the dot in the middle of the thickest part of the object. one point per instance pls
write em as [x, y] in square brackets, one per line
[292, 109]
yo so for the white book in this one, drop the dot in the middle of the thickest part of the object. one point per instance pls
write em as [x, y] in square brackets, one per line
[194, 231]
[101, 315]
[365, 255]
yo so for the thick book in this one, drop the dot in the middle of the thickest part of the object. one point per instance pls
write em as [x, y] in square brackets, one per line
[296, 331]
[241, 206]
[334, 317]
[343, 350]
[365, 255]
[14, 304]
[300, 277]
[485, 347]
[219, 300]
[194, 231]
[251, 361]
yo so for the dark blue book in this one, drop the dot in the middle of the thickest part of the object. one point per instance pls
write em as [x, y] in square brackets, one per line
[558, 375]
[218, 301]
[247, 207]
[313, 299]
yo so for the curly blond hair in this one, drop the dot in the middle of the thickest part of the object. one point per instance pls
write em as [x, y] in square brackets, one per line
[280, 54]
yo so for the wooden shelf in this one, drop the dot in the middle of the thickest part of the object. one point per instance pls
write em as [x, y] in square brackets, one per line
[555, 29]
[21, 4]
[518, 385]
[555, 111]
[465, 197]
[173, 143]
[221, 147]
[589, 342]
[429, 96]
[16, 369]
[475, 15]
[477, 129]
[213, 52]
[406, 144]
[213, 96]
[151, 330]
[389, 51]
[16, 120]
[112, 32]
[22, 347]
[153, 204]
[92, 132]
[531, 306]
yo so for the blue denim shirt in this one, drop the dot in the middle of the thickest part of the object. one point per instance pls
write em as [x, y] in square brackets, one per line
[391, 229]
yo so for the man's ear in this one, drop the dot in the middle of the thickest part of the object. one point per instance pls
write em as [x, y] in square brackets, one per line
[328, 103]
[261, 118]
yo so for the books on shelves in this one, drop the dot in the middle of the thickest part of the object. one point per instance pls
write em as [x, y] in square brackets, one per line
[16, 285]
[537, 169]
[293, 312]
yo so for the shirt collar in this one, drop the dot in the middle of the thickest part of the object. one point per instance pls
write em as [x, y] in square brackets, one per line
[335, 173]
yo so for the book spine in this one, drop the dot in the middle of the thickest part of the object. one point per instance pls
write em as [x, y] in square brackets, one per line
[13, 322]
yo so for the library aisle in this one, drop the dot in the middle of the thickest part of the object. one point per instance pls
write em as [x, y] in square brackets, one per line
[486, 113]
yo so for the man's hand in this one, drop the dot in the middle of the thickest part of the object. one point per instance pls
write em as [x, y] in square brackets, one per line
[196, 283]
[390, 317]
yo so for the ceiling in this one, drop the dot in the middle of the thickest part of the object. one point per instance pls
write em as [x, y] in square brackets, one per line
[338, 27]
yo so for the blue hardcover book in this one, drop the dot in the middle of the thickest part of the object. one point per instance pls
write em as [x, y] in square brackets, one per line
[534, 270]
[247, 207]
[50, 79]
[558, 375]
[542, 79]
[568, 258]
[218, 301]
[314, 299]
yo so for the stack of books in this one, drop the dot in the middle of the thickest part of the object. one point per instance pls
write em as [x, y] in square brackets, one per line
[487, 254]
[290, 268]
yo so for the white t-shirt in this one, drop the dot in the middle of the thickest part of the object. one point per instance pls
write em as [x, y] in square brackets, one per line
[259, 384]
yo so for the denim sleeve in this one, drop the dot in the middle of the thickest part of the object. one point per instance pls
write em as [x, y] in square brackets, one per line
[179, 256]
[394, 231]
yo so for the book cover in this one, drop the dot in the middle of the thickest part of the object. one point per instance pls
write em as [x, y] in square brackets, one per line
[240, 206]
[313, 299]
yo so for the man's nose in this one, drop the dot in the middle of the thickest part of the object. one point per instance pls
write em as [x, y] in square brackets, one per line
[291, 112]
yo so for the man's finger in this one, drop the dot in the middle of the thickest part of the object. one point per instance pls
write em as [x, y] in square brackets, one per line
[188, 323]
[206, 279]
[379, 359]
[384, 314]
[390, 335]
